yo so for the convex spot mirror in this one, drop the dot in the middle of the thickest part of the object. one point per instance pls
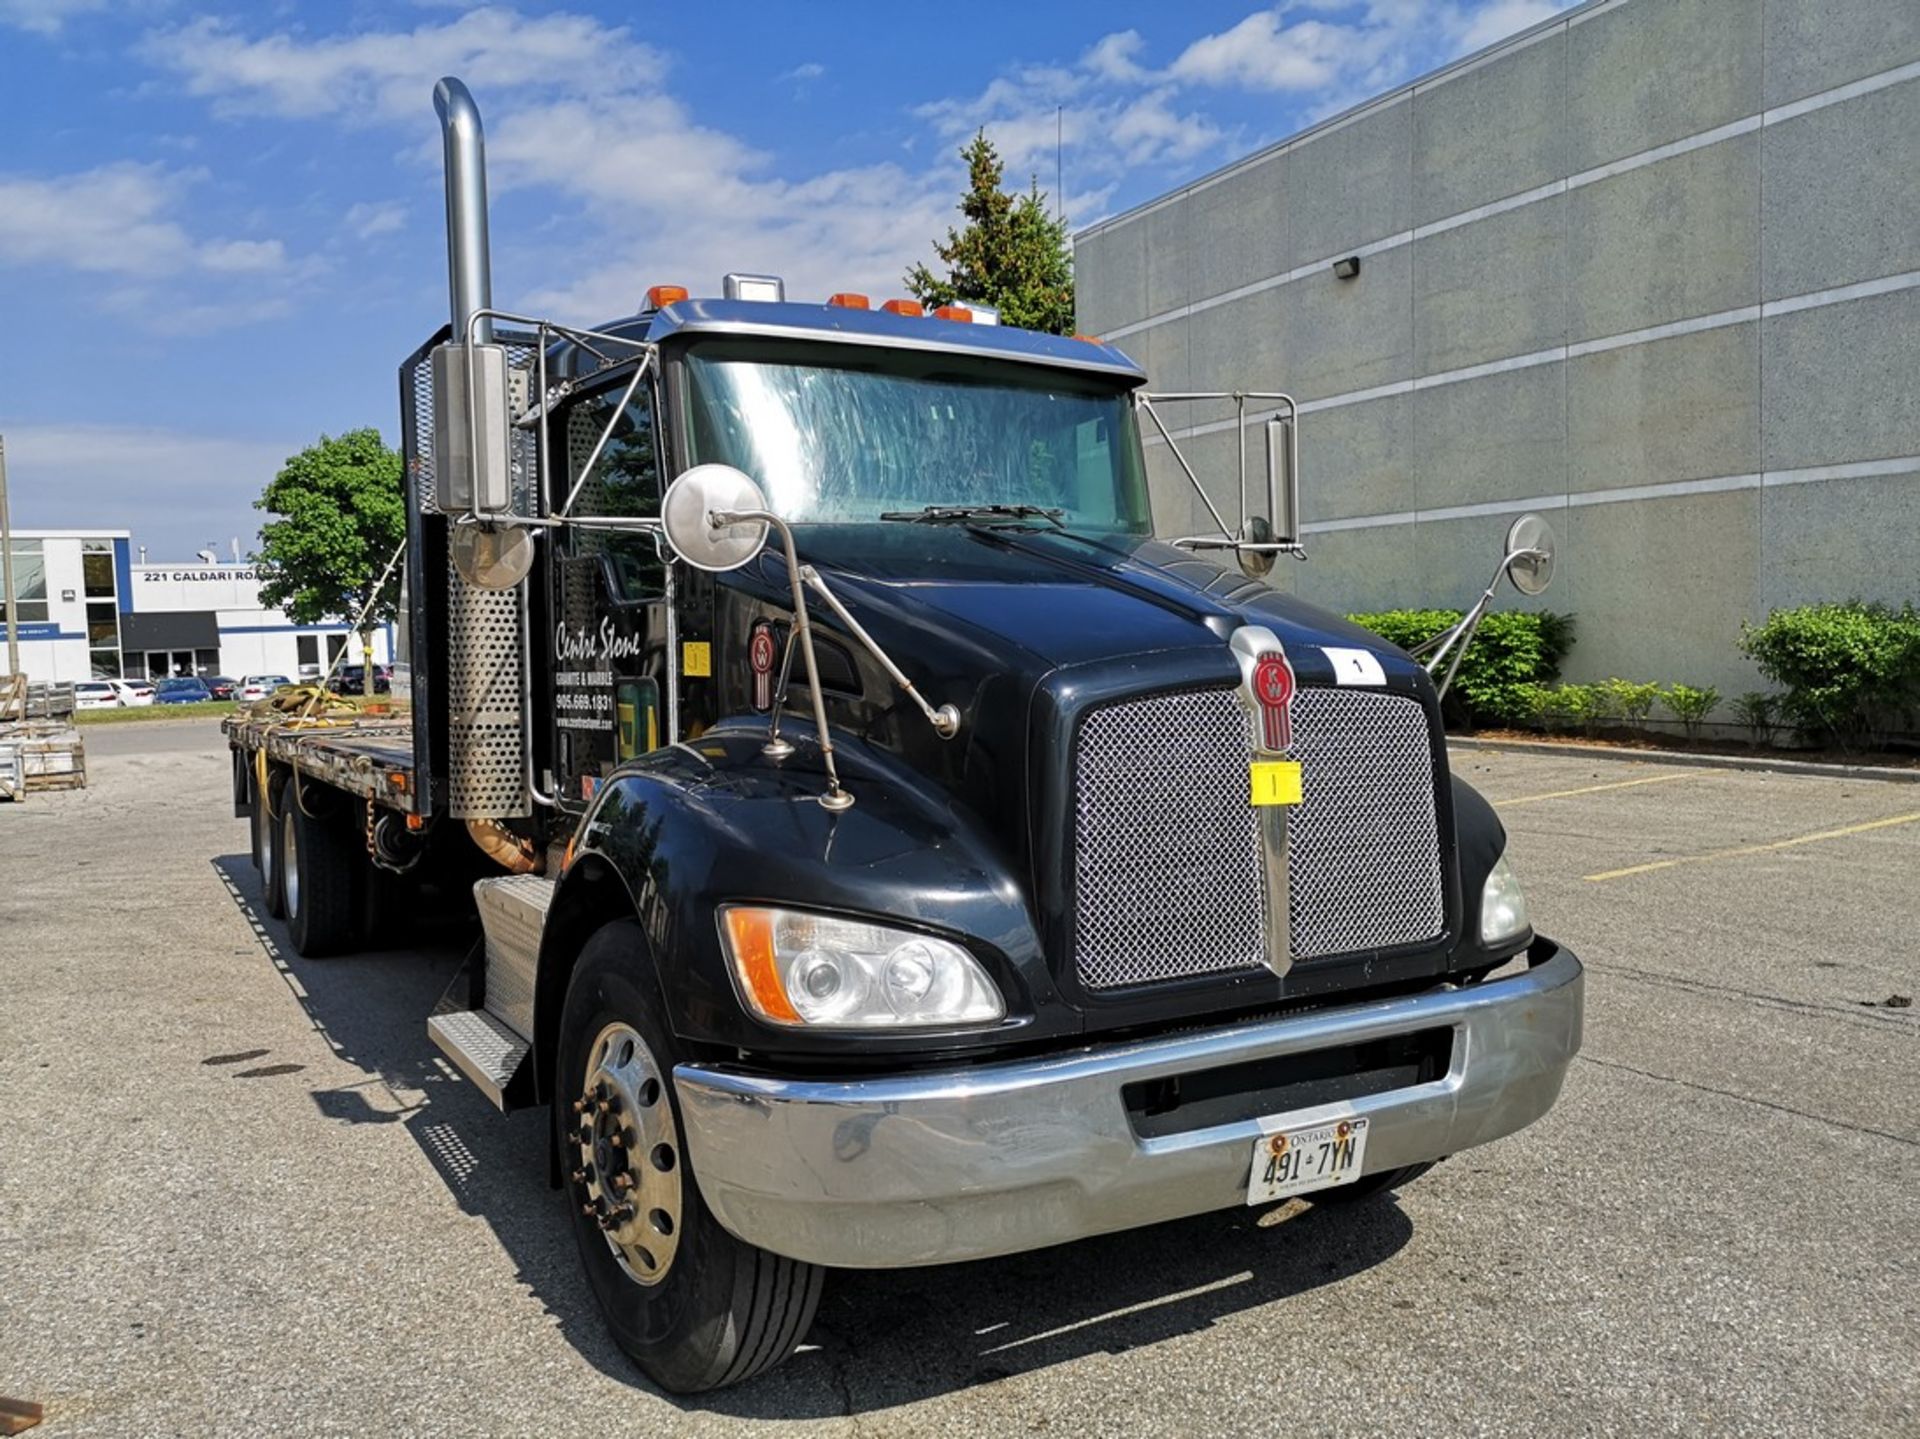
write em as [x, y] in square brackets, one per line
[1530, 552]
[1256, 564]
[687, 515]
[492, 556]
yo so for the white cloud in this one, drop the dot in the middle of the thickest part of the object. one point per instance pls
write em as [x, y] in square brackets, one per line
[1112, 57]
[243, 257]
[110, 475]
[44, 17]
[117, 219]
[1507, 17]
[1262, 52]
[369, 218]
[388, 74]
[811, 70]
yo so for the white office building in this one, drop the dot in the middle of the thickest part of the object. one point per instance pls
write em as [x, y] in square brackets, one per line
[85, 610]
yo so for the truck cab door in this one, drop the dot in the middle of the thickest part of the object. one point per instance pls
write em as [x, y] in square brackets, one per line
[609, 598]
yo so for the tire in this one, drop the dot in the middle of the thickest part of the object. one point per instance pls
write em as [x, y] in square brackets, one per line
[272, 827]
[319, 874]
[1369, 1185]
[713, 1310]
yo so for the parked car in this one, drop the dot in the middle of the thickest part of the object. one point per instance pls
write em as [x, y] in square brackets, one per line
[181, 692]
[222, 686]
[258, 687]
[133, 693]
[95, 695]
[352, 680]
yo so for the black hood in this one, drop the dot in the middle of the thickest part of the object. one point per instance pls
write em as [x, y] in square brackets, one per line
[1035, 600]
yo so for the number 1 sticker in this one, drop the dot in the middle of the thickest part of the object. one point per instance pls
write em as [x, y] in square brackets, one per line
[1355, 667]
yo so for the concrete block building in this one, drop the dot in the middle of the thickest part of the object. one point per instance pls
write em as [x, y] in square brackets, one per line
[1652, 268]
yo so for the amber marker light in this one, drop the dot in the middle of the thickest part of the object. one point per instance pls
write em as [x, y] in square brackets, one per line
[848, 300]
[958, 313]
[904, 307]
[661, 296]
[750, 938]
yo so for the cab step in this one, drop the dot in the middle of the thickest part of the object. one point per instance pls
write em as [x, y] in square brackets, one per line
[484, 1022]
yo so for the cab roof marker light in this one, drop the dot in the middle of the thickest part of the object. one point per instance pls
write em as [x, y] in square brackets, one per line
[660, 296]
[912, 308]
[769, 289]
[849, 300]
[960, 314]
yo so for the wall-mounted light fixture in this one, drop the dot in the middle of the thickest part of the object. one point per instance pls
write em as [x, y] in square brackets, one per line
[1347, 267]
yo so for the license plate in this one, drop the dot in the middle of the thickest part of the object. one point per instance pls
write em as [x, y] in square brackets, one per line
[1306, 1158]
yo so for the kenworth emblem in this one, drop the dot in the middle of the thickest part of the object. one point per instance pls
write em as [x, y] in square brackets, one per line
[760, 656]
[1273, 690]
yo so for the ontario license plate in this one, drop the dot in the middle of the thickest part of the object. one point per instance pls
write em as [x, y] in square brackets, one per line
[1309, 1157]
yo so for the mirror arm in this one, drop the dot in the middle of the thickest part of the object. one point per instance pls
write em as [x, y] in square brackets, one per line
[836, 797]
[1141, 400]
[1456, 637]
[946, 719]
[639, 373]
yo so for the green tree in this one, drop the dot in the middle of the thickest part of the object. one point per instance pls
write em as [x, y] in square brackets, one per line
[339, 514]
[1011, 254]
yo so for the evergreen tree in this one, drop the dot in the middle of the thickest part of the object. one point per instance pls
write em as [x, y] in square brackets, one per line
[1011, 254]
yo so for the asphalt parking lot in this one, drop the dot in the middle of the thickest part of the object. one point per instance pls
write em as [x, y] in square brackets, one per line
[240, 1193]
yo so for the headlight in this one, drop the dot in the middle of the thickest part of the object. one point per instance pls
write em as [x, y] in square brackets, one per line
[1503, 905]
[819, 972]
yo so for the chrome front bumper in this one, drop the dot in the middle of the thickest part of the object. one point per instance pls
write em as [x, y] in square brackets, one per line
[927, 1168]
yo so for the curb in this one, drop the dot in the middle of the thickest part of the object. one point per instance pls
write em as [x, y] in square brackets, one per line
[1697, 761]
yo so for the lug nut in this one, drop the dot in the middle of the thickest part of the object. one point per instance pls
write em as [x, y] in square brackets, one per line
[617, 1139]
[623, 1182]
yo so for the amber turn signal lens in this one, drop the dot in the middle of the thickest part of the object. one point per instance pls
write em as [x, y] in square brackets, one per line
[959, 313]
[662, 295]
[750, 933]
[904, 307]
[848, 300]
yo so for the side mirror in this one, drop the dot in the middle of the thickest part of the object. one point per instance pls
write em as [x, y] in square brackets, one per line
[1529, 554]
[472, 429]
[697, 514]
[1283, 480]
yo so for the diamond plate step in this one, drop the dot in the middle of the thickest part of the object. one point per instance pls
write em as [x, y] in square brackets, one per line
[486, 1049]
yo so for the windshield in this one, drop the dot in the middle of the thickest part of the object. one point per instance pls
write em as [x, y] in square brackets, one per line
[853, 440]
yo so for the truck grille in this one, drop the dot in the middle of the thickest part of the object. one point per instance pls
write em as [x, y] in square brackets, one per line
[1168, 862]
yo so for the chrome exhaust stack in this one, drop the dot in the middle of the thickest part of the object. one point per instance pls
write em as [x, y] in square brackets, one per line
[469, 268]
[474, 450]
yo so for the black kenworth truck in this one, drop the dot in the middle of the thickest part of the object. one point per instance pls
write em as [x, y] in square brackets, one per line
[886, 851]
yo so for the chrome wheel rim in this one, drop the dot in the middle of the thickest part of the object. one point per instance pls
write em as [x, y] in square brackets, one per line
[289, 859]
[627, 1158]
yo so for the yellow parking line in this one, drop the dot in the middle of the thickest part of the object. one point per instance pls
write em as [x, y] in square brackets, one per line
[1757, 848]
[1596, 788]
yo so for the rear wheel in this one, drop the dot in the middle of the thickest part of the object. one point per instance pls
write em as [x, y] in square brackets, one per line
[693, 1306]
[317, 881]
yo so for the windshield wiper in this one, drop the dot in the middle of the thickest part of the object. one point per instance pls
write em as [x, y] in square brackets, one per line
[968, 514]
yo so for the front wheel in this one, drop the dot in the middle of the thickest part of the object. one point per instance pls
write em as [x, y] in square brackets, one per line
[693, 1306]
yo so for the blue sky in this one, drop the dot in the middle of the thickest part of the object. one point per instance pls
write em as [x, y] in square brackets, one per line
[220, 228]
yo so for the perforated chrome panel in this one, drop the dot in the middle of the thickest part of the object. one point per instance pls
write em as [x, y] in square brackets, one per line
[1168, 860]
[488, 733]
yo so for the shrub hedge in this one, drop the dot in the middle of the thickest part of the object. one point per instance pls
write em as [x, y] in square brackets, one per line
[1512, 651]
[1848, 671]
